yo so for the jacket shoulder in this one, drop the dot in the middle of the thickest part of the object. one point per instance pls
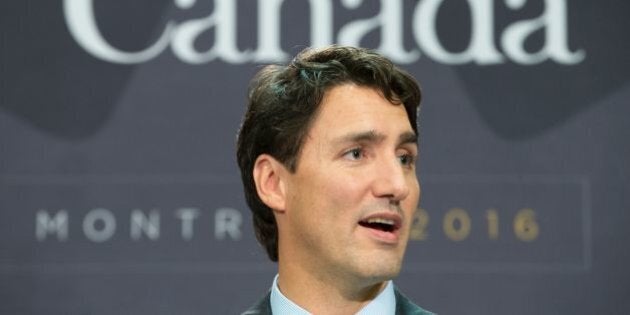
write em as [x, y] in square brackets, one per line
[404, 306]
[262, 307]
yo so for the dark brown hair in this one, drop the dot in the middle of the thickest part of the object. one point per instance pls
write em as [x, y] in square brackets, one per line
[284, 101]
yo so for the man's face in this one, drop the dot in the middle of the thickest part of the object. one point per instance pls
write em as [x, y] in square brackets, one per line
[351, 199]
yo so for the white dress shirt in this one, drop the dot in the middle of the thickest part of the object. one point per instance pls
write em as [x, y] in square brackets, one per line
[383, 304]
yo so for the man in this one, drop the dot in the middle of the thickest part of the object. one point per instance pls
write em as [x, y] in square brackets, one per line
[327, 154]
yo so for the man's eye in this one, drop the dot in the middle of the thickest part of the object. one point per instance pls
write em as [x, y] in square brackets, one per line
[407, 159]
[354, 154]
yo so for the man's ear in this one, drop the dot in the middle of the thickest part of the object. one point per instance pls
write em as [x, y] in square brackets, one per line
[269, 176]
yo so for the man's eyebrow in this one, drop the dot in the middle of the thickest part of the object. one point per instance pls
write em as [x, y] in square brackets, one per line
[372, 136]
[408, 137]
[365, 136]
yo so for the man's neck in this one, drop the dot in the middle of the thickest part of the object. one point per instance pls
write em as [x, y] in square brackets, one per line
[322, 294]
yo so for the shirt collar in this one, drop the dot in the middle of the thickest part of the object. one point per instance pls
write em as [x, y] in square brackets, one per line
[384, 303]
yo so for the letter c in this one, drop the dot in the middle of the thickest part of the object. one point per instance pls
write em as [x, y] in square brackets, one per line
[79, 16]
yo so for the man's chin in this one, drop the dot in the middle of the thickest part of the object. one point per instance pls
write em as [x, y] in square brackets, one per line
[378, 273]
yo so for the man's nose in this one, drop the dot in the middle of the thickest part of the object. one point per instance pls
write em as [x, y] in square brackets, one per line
[390, 180]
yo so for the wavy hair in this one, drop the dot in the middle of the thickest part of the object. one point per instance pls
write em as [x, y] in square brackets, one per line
[283, 101]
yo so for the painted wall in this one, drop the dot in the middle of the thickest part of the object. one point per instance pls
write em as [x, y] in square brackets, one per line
[119, 191]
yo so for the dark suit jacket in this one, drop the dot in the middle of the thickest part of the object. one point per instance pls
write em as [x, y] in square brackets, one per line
[403, 306]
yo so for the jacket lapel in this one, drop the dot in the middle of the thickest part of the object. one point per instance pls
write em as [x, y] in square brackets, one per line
[404, 306]
[263, 307]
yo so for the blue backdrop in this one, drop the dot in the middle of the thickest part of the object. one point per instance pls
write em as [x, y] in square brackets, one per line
[119, 191]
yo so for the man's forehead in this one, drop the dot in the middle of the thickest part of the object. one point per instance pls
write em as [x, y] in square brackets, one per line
[350, 101]
[351, 112]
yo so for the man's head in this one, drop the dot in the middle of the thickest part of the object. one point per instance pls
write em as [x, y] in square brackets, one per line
[326, 153]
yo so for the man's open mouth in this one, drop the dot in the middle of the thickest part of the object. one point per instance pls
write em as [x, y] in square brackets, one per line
[386, 223]
[379, 224]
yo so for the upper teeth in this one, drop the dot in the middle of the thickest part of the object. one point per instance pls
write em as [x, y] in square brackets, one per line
[381, 221]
